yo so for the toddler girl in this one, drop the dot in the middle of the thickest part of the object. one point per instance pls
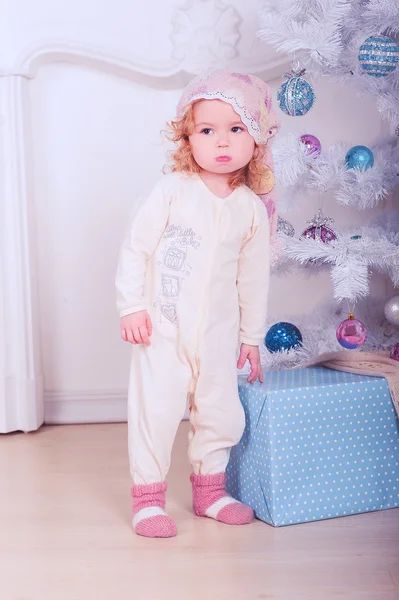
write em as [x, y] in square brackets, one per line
[192, 284]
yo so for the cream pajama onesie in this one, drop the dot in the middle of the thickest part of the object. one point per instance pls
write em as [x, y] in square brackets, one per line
[199, 265]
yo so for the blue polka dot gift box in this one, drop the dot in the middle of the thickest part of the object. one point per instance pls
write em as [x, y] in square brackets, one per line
[318, 444]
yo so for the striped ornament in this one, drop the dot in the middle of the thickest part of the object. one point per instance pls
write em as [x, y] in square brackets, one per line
[378, 56]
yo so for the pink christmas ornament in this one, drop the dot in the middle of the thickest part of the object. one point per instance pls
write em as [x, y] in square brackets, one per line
[312, 144]
[351, 333]
[395, 352]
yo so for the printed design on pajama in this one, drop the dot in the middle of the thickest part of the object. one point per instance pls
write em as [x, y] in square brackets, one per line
[174, 267]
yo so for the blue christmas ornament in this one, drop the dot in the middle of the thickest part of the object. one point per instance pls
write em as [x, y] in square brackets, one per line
[296, 96]
[378, 56]
[283, 336]
[359, 157]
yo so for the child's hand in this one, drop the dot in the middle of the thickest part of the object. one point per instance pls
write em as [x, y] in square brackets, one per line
[252, 354]
[137, 328]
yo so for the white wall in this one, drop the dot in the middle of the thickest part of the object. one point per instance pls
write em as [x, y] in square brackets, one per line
[104, 78]
[96, 144]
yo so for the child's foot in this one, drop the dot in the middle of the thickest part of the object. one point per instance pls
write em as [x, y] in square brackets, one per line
[149, 516]
[210, 500]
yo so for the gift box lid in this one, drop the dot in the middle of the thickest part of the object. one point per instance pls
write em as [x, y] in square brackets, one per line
[309, 377]
[292, 384]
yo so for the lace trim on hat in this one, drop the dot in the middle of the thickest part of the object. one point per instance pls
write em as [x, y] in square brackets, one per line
[246, 118]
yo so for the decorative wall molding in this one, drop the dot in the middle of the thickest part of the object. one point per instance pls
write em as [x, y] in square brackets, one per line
[86, 406]
[65, 51]
[184, 60]
[21, 382]
[205, 34]
[187, 35]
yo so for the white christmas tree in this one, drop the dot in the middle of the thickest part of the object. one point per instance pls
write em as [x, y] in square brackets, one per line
[352, 42]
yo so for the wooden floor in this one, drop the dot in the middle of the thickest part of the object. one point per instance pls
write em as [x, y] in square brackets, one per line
[65, 535]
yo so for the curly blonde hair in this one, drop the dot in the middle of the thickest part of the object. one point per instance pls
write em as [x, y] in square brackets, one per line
[254, 174]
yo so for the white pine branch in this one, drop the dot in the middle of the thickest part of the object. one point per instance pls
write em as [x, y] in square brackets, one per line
[350, 259]
[350, 279]
[307, 250]
[383, 16]
[290, 9]
[291, 160]
[388, 225]
[329, 170]
[388, 106]
[317, 30]
[354, 24]
[374, 249]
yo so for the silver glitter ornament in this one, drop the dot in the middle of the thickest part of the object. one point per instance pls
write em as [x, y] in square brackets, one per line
[391, 310]
[285, 227]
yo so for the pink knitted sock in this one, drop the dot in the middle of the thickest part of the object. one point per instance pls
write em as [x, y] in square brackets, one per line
[149, 516]
[210, 500]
